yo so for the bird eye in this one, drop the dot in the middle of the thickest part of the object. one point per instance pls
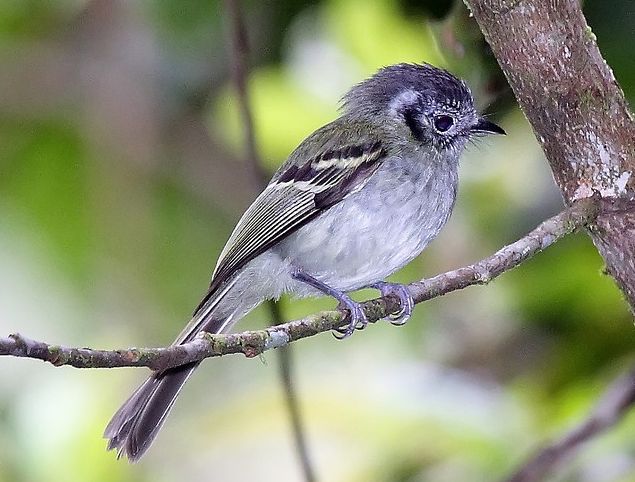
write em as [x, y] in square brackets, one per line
[443, 123]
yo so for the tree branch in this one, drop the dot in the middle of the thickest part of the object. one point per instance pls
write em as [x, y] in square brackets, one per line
[577, 110]
[286, 372]
[253, 343]
[240, 53]
[583, 123]
[618, 399]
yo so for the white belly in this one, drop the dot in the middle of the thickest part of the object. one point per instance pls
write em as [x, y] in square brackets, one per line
[376, 231]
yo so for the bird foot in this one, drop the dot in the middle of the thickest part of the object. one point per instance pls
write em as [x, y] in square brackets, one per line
[356, 313]
[405, 300]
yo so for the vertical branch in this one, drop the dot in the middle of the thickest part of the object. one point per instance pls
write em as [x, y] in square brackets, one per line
[290, 395]
[239, 58]
[239, 53]
[611, 408]
[584, 125]
[577, 111]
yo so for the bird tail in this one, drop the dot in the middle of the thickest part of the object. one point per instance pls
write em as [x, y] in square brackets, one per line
[135, 425]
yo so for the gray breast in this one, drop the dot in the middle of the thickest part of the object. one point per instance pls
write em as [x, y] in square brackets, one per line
[376, 231]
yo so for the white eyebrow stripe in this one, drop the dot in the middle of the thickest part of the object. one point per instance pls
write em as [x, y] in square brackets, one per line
[405, 98]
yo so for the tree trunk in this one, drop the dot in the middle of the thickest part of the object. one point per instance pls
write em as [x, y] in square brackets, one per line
[577, 111]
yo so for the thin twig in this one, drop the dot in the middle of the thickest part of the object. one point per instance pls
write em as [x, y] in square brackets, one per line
[618, 399]
[240, 55]
[285, 359]
[253, 343]
[240, 52]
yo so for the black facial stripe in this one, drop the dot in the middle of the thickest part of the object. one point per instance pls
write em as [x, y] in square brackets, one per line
[410, 116]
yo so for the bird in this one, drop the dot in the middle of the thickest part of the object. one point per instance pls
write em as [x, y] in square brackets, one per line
[357, 200]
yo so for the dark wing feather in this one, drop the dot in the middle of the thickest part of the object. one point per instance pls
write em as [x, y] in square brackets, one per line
[299, 193]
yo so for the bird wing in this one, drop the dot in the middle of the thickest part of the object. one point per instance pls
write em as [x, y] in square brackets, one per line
[299, 192]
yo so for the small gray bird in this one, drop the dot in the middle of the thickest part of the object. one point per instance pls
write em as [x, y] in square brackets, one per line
[357, 200]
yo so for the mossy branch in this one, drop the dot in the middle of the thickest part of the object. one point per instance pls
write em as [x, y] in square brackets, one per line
[253, 343]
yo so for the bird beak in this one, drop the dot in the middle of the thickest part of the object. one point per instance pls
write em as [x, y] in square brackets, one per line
[483, 125]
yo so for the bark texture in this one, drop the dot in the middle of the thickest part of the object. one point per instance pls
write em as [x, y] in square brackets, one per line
[577, 111]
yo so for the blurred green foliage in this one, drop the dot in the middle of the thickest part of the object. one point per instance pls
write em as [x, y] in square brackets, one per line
[45, 168]
[121, 175]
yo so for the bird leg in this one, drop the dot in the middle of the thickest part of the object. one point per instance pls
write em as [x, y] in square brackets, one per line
[405, 300]
[357, 316]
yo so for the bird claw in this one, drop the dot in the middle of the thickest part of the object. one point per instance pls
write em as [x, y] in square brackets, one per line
[405, 300]
[356, 316]
[356, 313]
[358, 320]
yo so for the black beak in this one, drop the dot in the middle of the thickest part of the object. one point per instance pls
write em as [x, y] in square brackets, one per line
[483, 125]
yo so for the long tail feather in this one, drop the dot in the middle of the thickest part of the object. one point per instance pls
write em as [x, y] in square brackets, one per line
[135, 425]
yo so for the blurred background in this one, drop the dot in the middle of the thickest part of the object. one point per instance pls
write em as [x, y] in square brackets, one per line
[122, 174]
